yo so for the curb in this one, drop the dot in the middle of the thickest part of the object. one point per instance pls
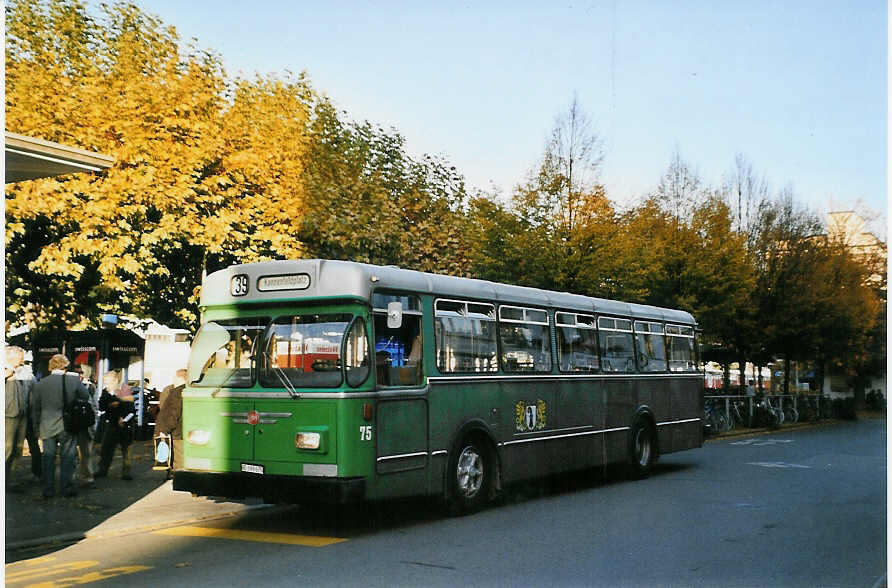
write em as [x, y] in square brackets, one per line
[65, 538]
[781, 429]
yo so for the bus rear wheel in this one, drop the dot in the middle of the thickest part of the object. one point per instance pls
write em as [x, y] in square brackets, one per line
[471, 473]
[642, 449]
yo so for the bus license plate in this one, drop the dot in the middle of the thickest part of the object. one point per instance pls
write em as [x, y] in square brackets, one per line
[252, 468]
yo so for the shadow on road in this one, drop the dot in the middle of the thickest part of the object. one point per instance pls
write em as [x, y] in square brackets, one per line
[59, 521]
[350, 521]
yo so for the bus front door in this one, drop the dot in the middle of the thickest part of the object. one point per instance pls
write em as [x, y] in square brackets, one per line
[401, 447]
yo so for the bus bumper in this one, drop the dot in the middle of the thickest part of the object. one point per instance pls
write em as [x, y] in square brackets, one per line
[272, 489]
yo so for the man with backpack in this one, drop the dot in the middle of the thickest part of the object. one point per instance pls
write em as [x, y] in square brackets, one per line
[51, 394]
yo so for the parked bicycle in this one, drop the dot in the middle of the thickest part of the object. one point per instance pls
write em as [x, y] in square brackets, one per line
[740, 413]
[714, 419]
[808, 409]
[765, 415]
[815, 402]
[826, 408]
[875, 400]
[790, 412]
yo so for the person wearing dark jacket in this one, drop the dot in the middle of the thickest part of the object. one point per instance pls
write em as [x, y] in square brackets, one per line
[117, 404]
[47, 405]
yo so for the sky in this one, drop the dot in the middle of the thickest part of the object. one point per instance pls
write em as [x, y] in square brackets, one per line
[798, 87]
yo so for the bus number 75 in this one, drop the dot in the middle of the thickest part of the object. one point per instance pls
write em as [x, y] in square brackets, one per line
[365, 433]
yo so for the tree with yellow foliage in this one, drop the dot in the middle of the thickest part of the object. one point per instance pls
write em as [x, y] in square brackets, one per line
[203, 166]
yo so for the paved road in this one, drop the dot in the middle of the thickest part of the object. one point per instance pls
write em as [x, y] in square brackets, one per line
[802, 508]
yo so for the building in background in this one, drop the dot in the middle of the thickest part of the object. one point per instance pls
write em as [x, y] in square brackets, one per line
[167, 350]
[850, 229]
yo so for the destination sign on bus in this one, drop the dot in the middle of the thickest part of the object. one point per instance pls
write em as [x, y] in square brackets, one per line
[283, 282]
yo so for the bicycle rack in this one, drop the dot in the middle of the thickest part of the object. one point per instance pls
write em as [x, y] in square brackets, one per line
[776, 400]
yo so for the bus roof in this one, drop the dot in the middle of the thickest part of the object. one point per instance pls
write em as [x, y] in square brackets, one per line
[272, 281]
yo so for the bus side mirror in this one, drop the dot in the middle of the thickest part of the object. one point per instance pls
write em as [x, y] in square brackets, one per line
[394, 315]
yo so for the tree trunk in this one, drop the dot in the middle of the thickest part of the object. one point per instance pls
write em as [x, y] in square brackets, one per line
[860, 385]
[759, 377]
[726, 377]
[742, 367]
[786, 374]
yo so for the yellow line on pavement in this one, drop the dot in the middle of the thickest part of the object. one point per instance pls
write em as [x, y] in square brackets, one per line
[287, 538]
[21, 575]
[35, 561]
[90, 577]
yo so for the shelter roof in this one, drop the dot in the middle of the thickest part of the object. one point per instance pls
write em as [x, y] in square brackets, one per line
[28, 158]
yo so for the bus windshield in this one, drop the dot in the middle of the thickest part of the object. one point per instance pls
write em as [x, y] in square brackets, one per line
[304, 351]
[223, 351]
[290, 351]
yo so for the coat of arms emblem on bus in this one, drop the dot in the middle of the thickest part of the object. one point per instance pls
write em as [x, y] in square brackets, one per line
[529, 417]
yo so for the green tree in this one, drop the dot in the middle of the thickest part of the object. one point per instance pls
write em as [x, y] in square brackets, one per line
[368, 200]
[559, 207]
[687, 254]
[848, 313]
[680, 189]
[746, 193]
[787, 255]
[696, 264]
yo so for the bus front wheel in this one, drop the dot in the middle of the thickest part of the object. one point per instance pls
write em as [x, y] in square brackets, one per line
[471, 473]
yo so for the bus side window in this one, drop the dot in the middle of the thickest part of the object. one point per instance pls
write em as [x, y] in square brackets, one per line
[617, 345]
[681, 348]
[398, 352]
[465, 336]
[577, 342]
[526, 339]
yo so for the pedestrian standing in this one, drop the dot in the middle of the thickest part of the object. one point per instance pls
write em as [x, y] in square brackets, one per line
[18, 396]
[48, 403]
[31, 429]
[85, 437]
[165, 391]
[117, 403]
[170, 418]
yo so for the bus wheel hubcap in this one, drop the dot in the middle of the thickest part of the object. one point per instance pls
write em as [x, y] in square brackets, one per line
[469, 472]
[642, 447]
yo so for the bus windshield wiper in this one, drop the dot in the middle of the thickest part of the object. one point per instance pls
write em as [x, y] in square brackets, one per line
[284, 379]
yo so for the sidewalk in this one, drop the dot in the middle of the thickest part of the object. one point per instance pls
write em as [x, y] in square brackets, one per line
[744, 431]
[110, 506]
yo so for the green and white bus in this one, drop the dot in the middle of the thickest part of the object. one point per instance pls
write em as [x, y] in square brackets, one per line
[334, 381]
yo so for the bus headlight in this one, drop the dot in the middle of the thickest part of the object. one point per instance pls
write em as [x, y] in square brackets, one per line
[307, 440]
[198, 437]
